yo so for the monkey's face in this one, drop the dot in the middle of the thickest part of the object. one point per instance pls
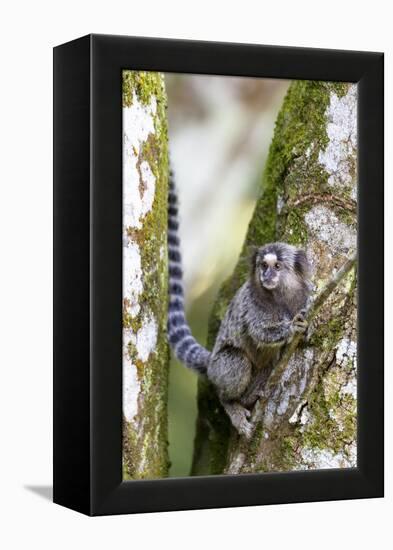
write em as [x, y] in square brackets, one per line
[269, 270]
[280, 265]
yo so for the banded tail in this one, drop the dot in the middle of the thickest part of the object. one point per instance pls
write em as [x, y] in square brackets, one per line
[184, 345]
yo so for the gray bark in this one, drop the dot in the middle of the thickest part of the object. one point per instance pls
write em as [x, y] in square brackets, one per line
[145, 280]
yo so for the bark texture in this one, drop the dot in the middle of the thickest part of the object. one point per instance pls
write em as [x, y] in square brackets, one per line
[307, 418]
[145, 283]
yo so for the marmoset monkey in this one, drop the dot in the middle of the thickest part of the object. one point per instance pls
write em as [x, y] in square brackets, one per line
[264, 315]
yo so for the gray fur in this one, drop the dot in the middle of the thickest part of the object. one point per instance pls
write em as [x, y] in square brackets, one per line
[263, 316]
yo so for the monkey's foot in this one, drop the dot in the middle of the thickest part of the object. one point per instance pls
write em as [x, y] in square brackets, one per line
[245, 429]
[238, 416]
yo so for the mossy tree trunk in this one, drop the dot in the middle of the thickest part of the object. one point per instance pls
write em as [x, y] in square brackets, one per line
[308, 198]
[145, 284]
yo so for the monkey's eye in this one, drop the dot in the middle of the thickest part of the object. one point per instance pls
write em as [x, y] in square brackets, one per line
[264, 265]
[277, 266]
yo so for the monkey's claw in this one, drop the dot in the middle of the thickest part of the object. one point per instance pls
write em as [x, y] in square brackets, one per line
[299, 317]
[299, 323]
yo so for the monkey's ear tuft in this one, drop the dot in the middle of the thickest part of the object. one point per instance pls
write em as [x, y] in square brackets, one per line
[301, 264]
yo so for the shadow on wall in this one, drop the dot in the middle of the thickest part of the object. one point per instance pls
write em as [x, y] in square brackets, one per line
[44, 491]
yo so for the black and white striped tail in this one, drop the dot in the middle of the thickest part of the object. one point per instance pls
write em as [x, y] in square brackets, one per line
[184, 345]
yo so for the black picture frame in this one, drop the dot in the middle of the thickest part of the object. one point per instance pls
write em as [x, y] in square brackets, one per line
[88, 274]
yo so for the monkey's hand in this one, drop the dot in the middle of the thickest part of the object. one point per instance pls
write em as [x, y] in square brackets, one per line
[299, 322]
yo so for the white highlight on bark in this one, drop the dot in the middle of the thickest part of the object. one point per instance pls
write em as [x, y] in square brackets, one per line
[132, 277]
[292, 385]
[301, 415]
[131, 384]
[146, 338]
[305, 417]
[323, 458]
[342, 133]
[138, 185]
[325, 225]
[350, 388]
[346, 351]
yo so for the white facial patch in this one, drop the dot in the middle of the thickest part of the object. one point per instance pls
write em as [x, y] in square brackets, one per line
[270, 259]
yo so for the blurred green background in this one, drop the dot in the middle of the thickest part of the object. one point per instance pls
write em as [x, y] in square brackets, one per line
[220, 129]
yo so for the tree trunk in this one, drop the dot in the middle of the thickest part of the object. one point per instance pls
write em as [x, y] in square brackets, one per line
[307, 416]
[145, 284]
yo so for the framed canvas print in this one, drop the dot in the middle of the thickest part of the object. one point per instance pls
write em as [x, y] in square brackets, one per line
[218, 275]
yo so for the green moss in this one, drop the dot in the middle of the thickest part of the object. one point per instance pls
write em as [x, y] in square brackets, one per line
[130, 456]
[144, 84]
[294, 229]
[346, 217]
[330, 326]
[134, 323]
[333, 414]
[300, 135]
[276, 453]
[282, 456]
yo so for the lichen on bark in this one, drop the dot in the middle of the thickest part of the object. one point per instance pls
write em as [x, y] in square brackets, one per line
[308, 198]
[145, 281]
